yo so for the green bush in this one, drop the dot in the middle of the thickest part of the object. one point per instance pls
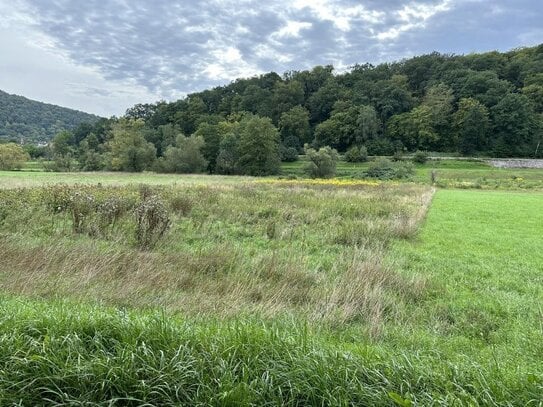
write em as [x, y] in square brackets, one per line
[380, 146]
[356, 154]
[420, 157]
[185, 157]
[12, 156]
[381, 168]
[397, 156]
[384, 169]
[403, 170]
[322, 162]
[288, 154]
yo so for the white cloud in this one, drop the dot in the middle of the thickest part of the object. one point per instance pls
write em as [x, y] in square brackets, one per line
[339, 14]
[292, 29]
[38, 70]
[411, 16]
[228, 64]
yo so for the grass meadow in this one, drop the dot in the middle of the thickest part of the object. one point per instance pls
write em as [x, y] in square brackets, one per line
[448, 173]
[144, 289]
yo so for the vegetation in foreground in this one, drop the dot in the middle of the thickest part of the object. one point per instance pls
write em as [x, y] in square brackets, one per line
[450, 318]
[256, 247]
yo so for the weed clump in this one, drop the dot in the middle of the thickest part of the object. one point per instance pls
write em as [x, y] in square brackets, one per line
[111, 211]
[82, 206]
[57, 198]
[152, 221]
[181, 204]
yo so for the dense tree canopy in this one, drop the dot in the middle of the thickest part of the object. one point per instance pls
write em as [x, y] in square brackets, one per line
[479, 104]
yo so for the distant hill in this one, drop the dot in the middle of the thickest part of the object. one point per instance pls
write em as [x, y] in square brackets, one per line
[22, 118]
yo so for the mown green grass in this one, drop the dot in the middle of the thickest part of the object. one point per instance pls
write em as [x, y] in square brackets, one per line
[483, 252]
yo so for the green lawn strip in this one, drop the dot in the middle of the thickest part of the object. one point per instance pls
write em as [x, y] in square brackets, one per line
[483, 253]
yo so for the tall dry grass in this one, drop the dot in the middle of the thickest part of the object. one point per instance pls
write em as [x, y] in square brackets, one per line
[259, 249]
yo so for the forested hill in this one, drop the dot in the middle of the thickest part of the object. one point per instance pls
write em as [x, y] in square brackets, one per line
[36, 121]
[488, 103]
[479, 104]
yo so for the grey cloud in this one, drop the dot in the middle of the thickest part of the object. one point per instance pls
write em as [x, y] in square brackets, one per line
[174, 47]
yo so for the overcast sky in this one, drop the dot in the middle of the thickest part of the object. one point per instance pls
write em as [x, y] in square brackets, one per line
[102, 56]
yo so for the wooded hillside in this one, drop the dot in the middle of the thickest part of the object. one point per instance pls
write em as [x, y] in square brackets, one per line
[479, 103]
[32, 121]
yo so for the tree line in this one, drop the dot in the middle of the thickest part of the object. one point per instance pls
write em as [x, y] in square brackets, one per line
[478, 104]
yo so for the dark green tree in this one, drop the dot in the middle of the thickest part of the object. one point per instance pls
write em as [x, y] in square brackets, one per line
[228, 157]
[257, 100]
[286, 95]
[294, 127]
[471, 124]
[258, 146]
[211, 135]
[321, 102]
[516, 126]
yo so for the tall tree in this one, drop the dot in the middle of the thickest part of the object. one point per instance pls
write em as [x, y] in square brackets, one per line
[471, 123]
[257, 100]
[129, 151]
[322, 102]
[516, 126]
[393, 97]
[211, 135]
[413, 129]
[258, 146]
[368, 125]
[286, 95]
[294, 127]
